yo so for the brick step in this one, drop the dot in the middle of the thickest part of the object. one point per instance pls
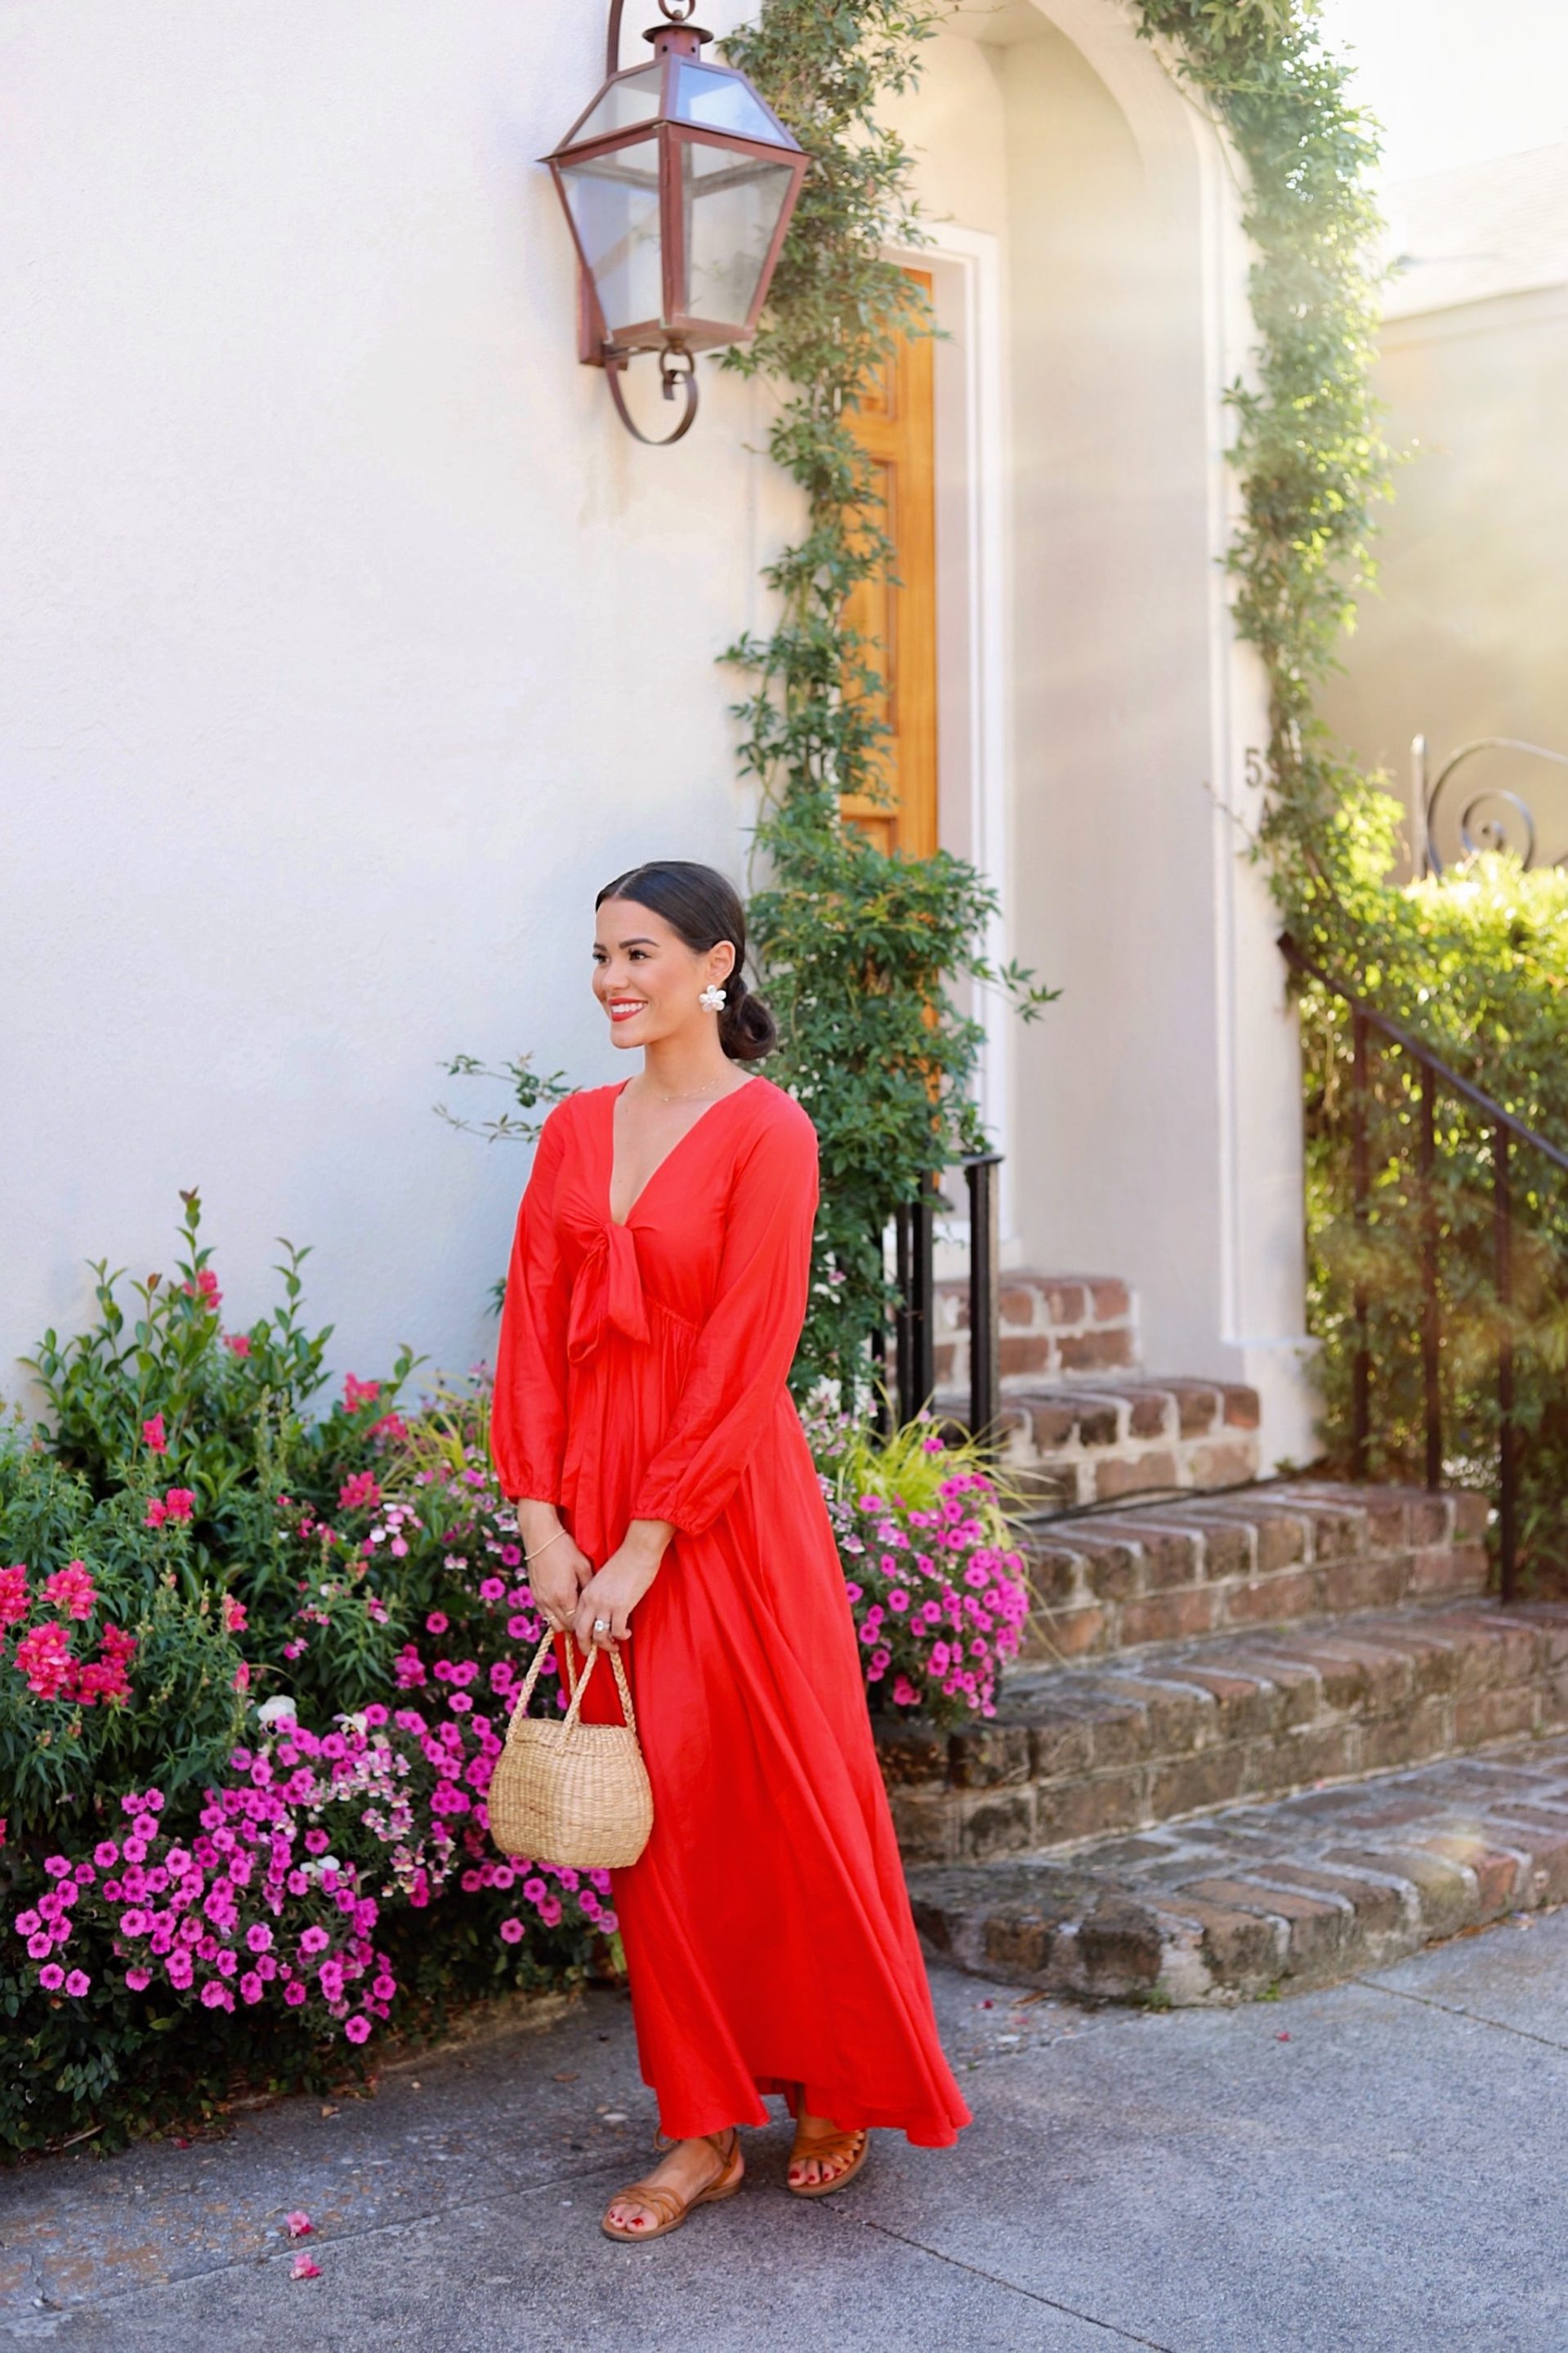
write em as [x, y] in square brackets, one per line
[1256, 1899]
[1053, 1327]
[1093, 1442]
[1285, 1551]
[1072, 1753]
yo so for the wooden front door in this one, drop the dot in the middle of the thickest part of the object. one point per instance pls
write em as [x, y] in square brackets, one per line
[896, 423]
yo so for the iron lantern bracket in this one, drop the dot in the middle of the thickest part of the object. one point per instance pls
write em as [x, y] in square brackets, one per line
[676, 367]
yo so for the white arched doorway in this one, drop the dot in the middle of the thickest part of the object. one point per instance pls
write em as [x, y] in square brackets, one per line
[1097, 713]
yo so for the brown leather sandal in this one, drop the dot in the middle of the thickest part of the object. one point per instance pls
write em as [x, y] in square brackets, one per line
[823, 2149]
[668, 2205]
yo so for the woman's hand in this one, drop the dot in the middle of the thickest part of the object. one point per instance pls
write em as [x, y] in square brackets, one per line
[556, 1569]
[612, 1595]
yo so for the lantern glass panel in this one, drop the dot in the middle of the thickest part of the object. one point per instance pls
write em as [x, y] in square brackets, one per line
[614, 202]
[721, 101]
[732, 204]
[633, 100]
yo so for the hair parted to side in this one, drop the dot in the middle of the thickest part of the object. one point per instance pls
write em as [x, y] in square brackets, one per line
[702, 908]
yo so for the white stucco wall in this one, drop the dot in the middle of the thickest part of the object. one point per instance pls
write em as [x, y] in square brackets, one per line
[349, 644]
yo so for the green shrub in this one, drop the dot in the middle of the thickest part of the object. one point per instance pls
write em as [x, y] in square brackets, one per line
[219, 1610]
[1477, 966]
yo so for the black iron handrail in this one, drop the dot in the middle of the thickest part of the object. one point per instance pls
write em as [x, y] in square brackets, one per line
[1507, 1128]
[914, 1335]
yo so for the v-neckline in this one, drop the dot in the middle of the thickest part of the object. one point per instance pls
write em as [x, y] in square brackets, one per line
[659, 1166]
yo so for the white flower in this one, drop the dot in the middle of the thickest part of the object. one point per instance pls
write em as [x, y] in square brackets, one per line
[278, 1709]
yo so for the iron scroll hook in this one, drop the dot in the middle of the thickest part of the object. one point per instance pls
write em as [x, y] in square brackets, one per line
[670, 373]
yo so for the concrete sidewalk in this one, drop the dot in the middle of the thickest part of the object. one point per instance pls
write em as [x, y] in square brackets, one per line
[1378, 2168]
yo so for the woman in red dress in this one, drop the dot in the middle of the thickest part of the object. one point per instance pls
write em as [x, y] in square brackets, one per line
[668, 1501]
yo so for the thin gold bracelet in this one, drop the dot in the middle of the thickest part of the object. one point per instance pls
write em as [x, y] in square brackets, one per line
[529, 1557]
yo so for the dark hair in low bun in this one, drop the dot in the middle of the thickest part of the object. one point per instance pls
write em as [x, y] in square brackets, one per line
[702, 908]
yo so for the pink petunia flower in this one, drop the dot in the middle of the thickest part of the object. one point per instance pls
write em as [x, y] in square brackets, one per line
[306, 2269]
[299, 2225]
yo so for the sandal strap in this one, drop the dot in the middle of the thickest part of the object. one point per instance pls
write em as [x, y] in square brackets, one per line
[663, 2203]
[828, 2144]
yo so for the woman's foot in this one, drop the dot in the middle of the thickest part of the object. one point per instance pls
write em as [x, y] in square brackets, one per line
[823, 2157]
[691, 2173]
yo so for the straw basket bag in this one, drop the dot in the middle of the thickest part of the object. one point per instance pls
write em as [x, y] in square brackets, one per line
[568, 1792]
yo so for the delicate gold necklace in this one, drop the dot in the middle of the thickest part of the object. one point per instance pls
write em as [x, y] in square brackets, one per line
[708, 1094]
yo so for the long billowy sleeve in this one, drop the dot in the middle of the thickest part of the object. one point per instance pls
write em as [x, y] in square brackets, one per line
[529, 1422]
[744, 1349]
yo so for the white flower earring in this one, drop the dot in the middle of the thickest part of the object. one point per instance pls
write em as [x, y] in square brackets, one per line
[712, 1000]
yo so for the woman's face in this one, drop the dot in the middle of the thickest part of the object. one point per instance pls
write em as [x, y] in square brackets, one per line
[646, 977]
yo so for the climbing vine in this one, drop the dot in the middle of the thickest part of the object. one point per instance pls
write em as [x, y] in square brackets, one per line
[860, 949]
[1309, 450]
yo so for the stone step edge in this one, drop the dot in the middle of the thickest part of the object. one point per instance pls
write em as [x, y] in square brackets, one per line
[1110, 1408]
[1221, 1724]
[1243, 1928]
[1275, 1553]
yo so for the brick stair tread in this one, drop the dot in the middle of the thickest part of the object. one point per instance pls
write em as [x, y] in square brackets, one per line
[1049, 1325]
[1138, 1741]
[1069, 1299]
[1276, 1552]
[1248, 1899]
[1124, 1402]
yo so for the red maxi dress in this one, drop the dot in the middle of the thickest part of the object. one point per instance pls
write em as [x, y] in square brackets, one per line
[642, 1374]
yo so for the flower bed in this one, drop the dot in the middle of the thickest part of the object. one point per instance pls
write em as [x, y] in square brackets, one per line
[255, 1671]
[938, 1595]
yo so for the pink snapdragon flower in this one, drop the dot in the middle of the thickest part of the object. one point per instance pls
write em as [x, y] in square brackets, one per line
[43, 1657]
[176, 1504]
[71, 1590]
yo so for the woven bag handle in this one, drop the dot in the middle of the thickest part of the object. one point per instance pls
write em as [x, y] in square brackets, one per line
[577, 1686]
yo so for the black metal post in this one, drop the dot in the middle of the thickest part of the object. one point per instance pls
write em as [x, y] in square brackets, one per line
[985, 1288]
[1361, 1378]
[1502, 1236]
[922, 1297]
[883, 1416]
[1431, 1330]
